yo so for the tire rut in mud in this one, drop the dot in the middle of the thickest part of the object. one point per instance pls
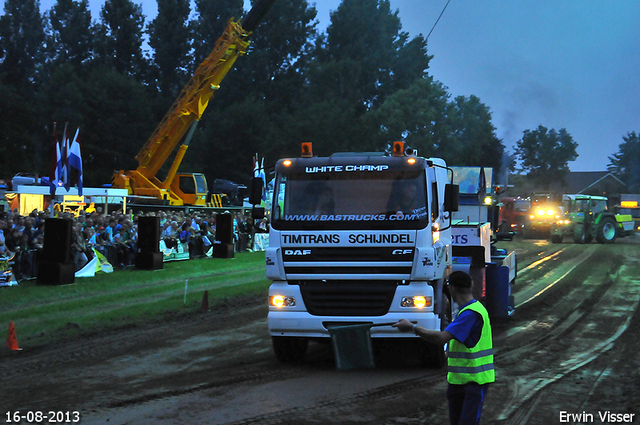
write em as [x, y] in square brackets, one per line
[570, 315]
[553, 358]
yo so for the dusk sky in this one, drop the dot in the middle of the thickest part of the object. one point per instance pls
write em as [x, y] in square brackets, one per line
[570, 64]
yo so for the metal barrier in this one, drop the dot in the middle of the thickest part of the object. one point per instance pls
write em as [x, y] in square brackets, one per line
[118, 257]
[24, 265]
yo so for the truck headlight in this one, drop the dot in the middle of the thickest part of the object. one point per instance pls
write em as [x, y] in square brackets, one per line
[418, 301]
[280, 301]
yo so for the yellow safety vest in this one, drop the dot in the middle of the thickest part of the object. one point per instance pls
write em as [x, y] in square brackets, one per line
[473, 364]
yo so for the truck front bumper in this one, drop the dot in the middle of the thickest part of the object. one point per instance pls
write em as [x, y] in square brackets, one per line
[302, 324]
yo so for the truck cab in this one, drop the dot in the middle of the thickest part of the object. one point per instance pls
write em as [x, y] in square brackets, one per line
[545, 211]
[513, 214]
[630, 208]
[358, 239]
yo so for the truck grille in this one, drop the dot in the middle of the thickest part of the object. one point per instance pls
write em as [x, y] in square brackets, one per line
[384, 263]
[347, 298]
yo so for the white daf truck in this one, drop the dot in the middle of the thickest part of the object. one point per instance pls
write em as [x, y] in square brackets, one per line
[359, 238]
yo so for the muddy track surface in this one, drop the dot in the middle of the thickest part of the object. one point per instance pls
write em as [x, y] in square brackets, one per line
[571, 347]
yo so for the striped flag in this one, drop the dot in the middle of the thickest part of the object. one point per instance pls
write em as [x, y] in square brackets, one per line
[75, 163]
[264, 181]
[65, 157]
[56, 163]
[258, 171]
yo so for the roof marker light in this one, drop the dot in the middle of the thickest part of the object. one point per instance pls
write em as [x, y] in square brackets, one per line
[398, 149]
[307, 151]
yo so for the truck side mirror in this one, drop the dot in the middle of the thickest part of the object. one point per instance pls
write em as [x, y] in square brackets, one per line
[451, 197]
[255, 191]
[257, 213]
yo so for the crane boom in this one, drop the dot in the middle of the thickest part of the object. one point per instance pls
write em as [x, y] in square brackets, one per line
[183, 116]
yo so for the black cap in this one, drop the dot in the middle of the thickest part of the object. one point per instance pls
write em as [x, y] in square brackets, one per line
[460, 279]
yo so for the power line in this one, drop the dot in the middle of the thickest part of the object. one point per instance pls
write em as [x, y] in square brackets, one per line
[438, 20]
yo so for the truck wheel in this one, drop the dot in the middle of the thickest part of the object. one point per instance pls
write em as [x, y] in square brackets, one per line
[579, 234]
[556, 238]
[431, 355]
[289, 349]
[446, 314]
[606, 231]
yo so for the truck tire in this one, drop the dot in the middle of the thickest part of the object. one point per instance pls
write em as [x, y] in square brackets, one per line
[607, 231]
[556, 238]
[289, 349]
[446, 315]
[431, 355]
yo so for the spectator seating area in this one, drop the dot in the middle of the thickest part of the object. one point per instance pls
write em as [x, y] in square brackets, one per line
[115, 236]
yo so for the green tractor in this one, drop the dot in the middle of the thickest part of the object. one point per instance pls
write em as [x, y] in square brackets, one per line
[587, 217]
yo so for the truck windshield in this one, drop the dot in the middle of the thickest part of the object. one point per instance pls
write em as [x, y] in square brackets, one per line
[354, 200]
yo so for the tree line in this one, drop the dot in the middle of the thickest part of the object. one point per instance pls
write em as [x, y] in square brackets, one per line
[357, 86]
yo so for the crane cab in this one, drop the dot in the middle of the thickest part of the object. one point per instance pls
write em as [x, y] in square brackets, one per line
[191, 188]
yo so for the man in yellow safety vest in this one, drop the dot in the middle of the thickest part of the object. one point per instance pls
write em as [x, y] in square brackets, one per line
[470, 354]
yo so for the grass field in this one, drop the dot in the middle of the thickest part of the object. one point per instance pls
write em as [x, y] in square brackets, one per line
[125, 297]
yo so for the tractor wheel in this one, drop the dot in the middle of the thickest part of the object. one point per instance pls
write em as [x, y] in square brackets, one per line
[606, 231]
[579, 234]
[556, 238]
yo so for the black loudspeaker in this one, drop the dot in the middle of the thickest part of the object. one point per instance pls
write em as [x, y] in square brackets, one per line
[223, 250]
[50, 273]
[149, 260]
[224, 228]
[149, 234]
[57, 240]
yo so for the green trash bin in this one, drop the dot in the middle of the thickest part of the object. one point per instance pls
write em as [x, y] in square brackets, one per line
[352, 345]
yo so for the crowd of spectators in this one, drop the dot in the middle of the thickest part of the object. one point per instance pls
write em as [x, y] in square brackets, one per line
[115, 235]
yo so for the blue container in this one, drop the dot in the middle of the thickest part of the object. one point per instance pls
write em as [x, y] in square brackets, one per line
[497, 292]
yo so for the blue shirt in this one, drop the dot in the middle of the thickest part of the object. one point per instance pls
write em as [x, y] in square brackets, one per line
[466, 327]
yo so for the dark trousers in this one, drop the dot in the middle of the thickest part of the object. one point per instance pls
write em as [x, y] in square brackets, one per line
[465, 403]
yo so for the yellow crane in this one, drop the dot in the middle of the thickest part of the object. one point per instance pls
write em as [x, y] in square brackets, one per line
[180, 122]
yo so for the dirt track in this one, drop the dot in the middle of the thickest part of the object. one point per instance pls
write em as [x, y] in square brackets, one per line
[571, 347]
